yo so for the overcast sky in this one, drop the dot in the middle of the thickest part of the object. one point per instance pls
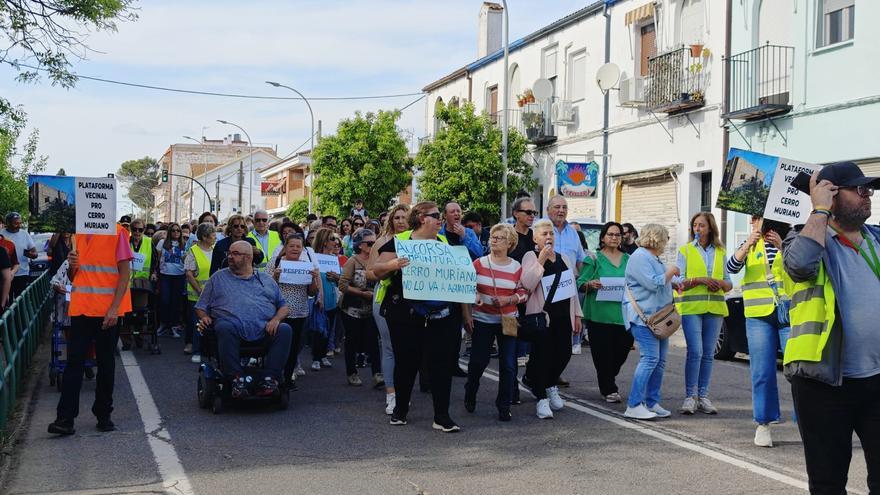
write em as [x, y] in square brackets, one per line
[322, 48]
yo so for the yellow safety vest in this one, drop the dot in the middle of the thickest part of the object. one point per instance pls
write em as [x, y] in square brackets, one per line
[274, 242]
[812, 317]
[382, 288]
[758, 297]
[204, 266]
[700, 300]
[146, 250]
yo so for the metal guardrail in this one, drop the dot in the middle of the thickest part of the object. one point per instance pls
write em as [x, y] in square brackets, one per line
[675, 81]
[759, 82]
[20, 326]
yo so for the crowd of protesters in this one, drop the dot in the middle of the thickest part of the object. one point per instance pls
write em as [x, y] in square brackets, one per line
[539, 288]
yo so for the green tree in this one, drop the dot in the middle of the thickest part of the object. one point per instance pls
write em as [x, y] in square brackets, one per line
[16, 163]
[141, 176]
[366, 159]
[298, 210]
[463, 162]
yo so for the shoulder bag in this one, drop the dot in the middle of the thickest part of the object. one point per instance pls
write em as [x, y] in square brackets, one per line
[509, 324]
[663, 323]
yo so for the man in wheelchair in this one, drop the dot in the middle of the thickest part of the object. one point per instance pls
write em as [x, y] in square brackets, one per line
[243, 304]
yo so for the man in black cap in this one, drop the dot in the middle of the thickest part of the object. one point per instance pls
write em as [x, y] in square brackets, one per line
[125, 221]
[832, 356]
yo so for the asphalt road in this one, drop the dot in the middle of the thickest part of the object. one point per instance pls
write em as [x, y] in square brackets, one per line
[336, 439]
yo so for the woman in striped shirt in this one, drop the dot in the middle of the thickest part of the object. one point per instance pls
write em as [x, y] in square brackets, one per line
[498, 292]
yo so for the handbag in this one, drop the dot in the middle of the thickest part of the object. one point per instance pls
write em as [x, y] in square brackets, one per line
[663, 323]
[509, 324]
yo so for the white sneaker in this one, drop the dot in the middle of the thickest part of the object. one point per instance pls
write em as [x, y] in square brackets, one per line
[390, 402]
[659, 411]
[175, 333]
[639, 412]
[613, 398]
[763, 437]
[196, 358]
[705, 405]
[556, 402]
[689, 406]
[521, 362]
[299, 371]
[326, 363]
[316, 365]
[576, 348]
[543, 409]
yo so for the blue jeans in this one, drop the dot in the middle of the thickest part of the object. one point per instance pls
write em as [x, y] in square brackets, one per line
[766, 336]
[228, 345]
[648, 376]
[172, 291]
[385, 347]
[481, 340]
[701, 335]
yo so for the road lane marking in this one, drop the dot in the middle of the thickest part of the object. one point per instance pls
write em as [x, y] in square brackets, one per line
[694, 447]
[174, 478]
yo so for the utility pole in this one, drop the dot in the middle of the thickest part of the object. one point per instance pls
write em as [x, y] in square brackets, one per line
[217, 196]
[240, 185]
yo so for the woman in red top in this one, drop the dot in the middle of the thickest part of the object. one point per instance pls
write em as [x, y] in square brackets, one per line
[498, 293]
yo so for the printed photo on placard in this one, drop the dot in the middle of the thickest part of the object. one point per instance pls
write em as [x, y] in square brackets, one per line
[745, 185]
[51, 203]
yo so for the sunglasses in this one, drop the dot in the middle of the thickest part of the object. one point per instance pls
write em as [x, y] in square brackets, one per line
[261, 220]
[137, 229]
[238, 226]
[530, 213]
[435, 215]
[358, 224]
[175, 230]
[369, 243]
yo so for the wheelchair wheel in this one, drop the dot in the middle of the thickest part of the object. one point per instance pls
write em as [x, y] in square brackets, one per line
[284, 399]
[205, 391]
[217, 405]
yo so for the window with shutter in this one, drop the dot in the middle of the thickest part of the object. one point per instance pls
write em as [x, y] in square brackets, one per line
[647, 47]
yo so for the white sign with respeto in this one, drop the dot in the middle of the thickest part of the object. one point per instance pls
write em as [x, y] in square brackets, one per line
[612, 289]
[566, 288]
[95, 205]
[328, 263]
[295, 272]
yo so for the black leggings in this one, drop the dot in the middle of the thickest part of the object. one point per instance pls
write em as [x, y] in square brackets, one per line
[610, 345]
[296, 345]
[551, 353]
[361, 335]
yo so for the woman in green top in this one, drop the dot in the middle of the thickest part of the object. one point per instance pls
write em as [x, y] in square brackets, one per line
[610, 343]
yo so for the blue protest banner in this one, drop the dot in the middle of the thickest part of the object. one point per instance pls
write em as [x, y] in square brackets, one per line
[437, 272]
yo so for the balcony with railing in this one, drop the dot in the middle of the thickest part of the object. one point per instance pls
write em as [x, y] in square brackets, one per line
[532, 120]
[675, 82]
[759, 83]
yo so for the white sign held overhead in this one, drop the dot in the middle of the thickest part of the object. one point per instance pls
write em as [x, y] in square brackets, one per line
[96, 205]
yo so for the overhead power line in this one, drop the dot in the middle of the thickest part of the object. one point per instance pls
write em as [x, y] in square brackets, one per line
[227, 95]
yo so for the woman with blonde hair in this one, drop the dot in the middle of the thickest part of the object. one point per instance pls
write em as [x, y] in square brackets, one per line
[396, 223]
[702, 306]
[498, 292]
[551, 318]
[649, 284]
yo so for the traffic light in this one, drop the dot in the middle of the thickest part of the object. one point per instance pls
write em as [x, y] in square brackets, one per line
[164, 175]
[212, 205]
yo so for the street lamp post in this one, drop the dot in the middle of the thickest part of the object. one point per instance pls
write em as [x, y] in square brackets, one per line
[504, 116]
[312, 150]
[251, 172]
[205, 179]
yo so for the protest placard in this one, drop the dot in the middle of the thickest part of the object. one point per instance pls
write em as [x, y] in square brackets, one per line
[760, 185]
[437, 272]
[84, 205]
[566, 288]
[295, 272]
[328, 263]
[612, 289]
[137, 262]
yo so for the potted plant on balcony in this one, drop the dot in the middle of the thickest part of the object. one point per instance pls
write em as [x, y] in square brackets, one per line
[696, 49]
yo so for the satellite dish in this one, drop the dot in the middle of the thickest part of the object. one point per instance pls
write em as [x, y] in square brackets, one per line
[542, 89]
[608, 76]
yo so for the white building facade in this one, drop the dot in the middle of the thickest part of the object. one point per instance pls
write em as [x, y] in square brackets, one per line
[665, 146]
[222, 183]
[803, 83]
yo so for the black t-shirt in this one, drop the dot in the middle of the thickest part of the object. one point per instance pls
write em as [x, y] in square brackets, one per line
[629, 248]
[524, 244]
[560, 311]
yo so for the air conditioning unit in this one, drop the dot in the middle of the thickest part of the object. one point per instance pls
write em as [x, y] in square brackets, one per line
[632, 92]
[562, 112]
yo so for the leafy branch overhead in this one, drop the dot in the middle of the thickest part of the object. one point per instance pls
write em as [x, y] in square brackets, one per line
[44, 34]
[366, 159]
[462, 162]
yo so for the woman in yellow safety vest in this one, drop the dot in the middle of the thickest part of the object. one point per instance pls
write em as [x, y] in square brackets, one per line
[702, 306]
[198, 269]
[144, 275]
[765, 304]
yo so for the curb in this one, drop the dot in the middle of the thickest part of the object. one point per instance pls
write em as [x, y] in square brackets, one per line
[20, 419]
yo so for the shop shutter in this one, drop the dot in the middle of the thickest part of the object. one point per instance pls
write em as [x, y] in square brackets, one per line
[652, 200]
